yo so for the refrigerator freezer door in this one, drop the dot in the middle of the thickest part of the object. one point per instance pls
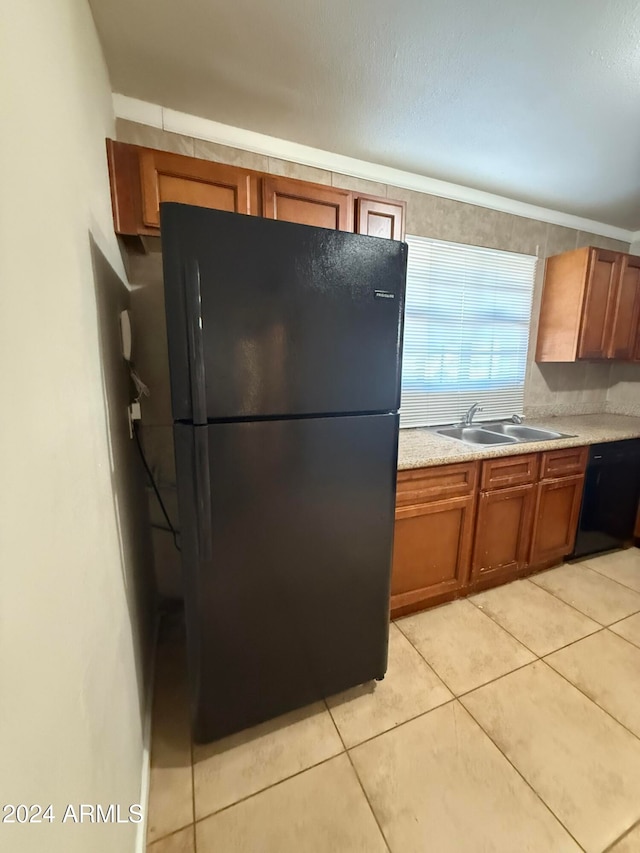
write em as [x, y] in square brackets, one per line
[287, 562]
[275, 319]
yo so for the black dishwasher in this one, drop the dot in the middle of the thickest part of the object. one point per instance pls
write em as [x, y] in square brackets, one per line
[610, 498]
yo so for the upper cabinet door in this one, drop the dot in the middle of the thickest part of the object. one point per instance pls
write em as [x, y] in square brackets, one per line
[597, 317]
[307, 204]
[174, 177]
[378, 217]
[626, 314]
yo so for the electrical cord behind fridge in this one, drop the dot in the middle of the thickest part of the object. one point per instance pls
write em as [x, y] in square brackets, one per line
[174, 532]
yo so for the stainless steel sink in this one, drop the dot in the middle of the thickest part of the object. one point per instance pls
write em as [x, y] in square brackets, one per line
[498, 433]
[476, 435]
[523, 433]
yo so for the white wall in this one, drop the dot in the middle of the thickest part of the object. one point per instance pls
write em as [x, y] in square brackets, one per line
[74, 598]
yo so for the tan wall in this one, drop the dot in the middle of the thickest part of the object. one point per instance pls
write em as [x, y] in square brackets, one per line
[76, 579]
[549, 389]
[623, 397]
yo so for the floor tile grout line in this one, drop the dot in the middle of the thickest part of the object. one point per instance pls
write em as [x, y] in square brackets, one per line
[601, 628]
[150, 845]
[170, 833]
[344, 750]
[506, 630]
[531, 579]
[477, 687]
[581, 612]
[588, 698]
[267, 787]
[591, 699]
[497, 678]
[599, 574]
[593, 569]
[403, 723]
[620, 838]
[364, 794]
[621, 636]
[557, 597]
[524, 779]
[357, 775]
[455, 697]
[575, 642]
[546, 654]
[609, 578]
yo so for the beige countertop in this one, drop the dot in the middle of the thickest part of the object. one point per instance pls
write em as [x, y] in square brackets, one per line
[421, 447]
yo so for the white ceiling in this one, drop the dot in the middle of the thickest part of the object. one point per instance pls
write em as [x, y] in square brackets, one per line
[537, 101]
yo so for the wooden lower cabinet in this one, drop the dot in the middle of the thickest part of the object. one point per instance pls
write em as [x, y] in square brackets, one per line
[451, 540]
[432, 552]
[503, 533]
[556, 518]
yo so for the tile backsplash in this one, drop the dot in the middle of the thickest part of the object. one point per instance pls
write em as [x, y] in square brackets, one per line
[623, 397]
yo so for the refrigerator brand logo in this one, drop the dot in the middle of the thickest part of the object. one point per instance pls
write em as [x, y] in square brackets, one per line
[383, 294]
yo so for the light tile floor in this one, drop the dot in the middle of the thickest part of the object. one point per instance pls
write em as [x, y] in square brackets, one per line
[508, 722]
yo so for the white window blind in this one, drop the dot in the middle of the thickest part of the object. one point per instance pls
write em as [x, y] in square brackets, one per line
[466, 332]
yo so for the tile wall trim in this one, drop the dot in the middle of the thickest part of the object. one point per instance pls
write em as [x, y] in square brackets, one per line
[163, 118]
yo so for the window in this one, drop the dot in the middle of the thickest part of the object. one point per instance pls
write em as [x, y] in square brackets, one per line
[466, 331]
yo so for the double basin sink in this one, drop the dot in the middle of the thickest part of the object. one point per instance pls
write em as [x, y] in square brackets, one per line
[498, 433]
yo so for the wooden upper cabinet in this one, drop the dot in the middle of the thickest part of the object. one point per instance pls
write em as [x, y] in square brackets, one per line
[379, 217]
[174, 177]
[626, 310]
[590, 307]
[597, 316]
[142, 178]
[309, 204]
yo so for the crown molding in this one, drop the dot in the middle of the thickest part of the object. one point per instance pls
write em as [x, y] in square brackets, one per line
[155, 115]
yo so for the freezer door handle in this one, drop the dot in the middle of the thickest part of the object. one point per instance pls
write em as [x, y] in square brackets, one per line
[203, 494]
[195, 343]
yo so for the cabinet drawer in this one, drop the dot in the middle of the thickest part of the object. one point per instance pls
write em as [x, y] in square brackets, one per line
[422, 485]
[561, 463]
[509, 471]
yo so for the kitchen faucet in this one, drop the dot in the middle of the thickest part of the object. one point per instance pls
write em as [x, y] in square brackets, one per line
[468, 418]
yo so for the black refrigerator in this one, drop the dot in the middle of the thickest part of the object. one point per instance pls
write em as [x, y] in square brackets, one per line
[285, 346]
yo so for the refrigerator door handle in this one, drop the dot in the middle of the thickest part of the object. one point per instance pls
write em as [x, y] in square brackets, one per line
[195, 343]
[203, 494]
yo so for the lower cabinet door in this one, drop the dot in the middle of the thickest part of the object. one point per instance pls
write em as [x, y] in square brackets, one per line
[432, 552]
[556, 518]
[503, 533]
